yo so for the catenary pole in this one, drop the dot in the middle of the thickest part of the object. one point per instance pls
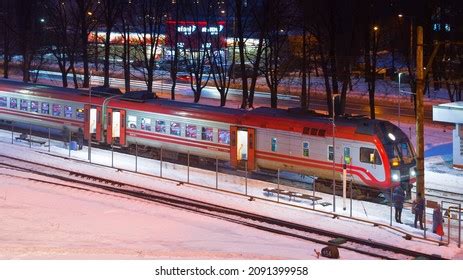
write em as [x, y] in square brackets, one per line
[419, 112]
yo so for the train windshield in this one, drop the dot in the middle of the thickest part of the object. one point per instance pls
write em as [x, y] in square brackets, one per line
[397, 145]
[403, 152]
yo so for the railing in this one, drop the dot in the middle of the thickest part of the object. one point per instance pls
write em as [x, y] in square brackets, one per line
[155, 165]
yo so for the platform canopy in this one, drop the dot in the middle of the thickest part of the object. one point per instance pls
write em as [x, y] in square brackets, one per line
[448, 112]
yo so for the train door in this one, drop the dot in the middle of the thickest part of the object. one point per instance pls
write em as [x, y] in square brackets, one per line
[242, 149]
[92, 124]
[115, 127]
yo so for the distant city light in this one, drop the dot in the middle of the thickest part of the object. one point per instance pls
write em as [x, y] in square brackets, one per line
[375, 28]
[42, 20]
[89, 13]
[401, 16]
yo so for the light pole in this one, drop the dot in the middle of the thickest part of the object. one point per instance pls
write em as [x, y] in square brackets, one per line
[410, 53]
[398, 122]
[89, 121]
[334, 157]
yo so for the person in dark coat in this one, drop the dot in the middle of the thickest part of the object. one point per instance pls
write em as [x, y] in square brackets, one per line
[419, 206]
[398, 198]
[436, 219]
[65, 136]
[80, 138]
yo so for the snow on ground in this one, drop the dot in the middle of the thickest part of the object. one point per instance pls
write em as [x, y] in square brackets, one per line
[438, 157]
[44, 222]
[98, 230]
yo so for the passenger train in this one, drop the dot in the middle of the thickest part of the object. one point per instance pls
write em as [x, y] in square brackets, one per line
[375, 153]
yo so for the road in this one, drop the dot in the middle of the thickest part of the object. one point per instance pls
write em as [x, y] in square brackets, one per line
[386, 108]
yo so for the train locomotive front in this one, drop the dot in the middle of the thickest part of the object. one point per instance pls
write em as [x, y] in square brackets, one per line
[400, 154]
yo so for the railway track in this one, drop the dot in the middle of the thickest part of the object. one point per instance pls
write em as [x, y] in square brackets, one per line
[444, 195]
[64, 178]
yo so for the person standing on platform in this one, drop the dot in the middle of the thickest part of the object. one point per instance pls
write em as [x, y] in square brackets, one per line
[80, 138]
[418, 207]
[437, 221]
[398, 197]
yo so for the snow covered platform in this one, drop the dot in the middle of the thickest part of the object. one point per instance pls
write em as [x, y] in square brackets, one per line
[440, 174]
[77, 225]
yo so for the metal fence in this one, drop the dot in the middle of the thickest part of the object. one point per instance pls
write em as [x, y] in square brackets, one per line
[279, 187]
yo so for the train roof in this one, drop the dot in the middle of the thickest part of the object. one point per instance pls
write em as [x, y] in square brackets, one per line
[183, 109]
[46, 91]
[306, 122]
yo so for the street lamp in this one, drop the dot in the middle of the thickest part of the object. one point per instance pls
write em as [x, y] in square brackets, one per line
[89, 121]
[334, 154]
[401, 16]
[398, 122]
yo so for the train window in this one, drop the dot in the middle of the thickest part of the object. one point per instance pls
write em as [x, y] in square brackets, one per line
[68, 112]
[305, 149]
[23, 105]
[80, 114]
[145, 124]
[175, 129]
[45, 108]
[405, 150]
[132, 122]
[35, 106]
[330, 153]
[207, 133]
[224, 136]
[191, 131]
[56, 109]
[160, 126]
[274, 144]
[13, 103]
[347, 158]
[3, 102]
[369, 155]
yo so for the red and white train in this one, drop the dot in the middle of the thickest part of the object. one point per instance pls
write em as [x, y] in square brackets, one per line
[376, 153]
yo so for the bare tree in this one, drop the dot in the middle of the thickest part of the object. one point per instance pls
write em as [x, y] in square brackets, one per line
[334, 25]
[7, 32]
[63, 36]
[371, 38]
[82, 11]
[219, 60]
[126, 22]
[276, 51]
[173, 43]
[257, 28]
[109, 10]
[195, 53]
[240, 35]
[31, 27]
[150, 19]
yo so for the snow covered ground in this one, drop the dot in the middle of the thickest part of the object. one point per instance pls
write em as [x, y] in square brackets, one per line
[40, 221]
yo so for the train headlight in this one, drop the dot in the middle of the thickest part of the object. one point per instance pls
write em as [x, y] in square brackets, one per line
[395, 175]
[413, 172]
